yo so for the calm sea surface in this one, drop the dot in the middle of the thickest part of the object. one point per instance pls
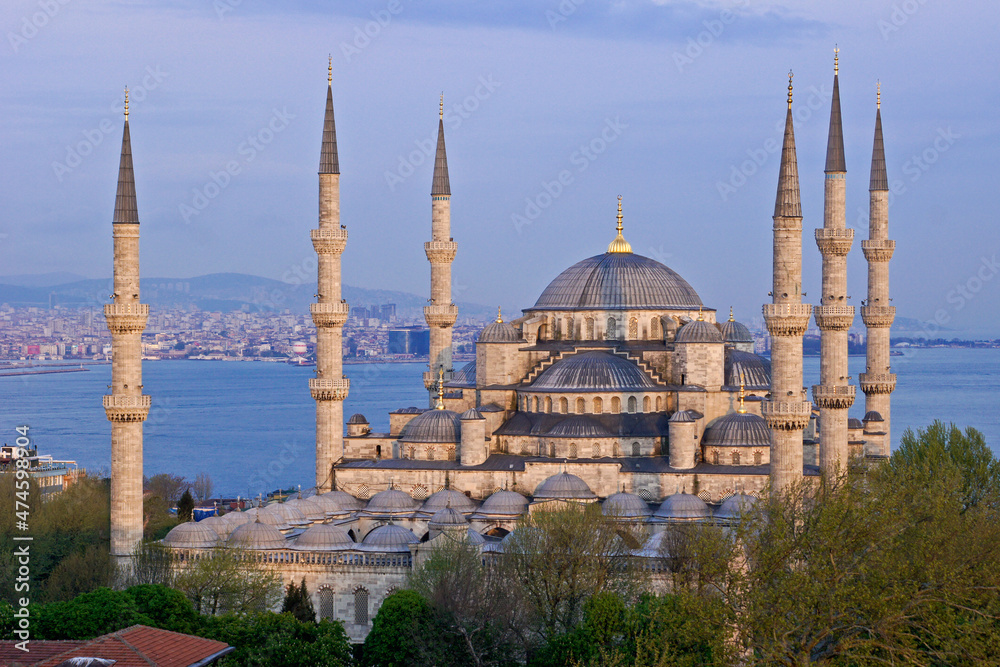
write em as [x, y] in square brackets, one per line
[251, 426]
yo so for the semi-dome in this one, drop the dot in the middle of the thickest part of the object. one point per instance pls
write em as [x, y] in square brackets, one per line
[593, 371]
[618, 281]
[191, 535]
[504, 503]
[390, 538]
[447, 498]
[753, 369]
[390, 501]
[683, 507]
[579, 426]
[219, 525]
[337, 502]
[738, 429]
[357, 418]
[698, 331]
[564, 486]
[624, 505]
[323, 537]
[735, 332]
[464, 376]
[257, 535]
[734, 506]
[438, 426]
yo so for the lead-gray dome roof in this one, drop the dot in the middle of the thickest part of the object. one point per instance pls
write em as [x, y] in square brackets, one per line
[624, 505]
[593, 371]
[357, 418]
[579, 426]
[323, 537]
[390, 538]
[734, 506]
[447, 516]
[338, 502]
[391, 501]
[738, 430]
[873, 416]
[618, 281]
[191, 535]
[499, 332]
[268, 516]
[447, 498]
[698, 331]
[257, 535]
[441, 426]
[735, 332]
[564, 485]
[754, 369]
[504, 503]
[312, 510]
[683, 507]
[219, 525]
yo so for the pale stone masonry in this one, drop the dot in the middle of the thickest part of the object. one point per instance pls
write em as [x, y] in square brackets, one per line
[329, 388]
[441, 313]
[877, 381]
[787, 411]
[834, 395]
[126, 407]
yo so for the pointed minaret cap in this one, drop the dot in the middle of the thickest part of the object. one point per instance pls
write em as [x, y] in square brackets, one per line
[441, 185]
[126, 211]
[835, 162]
[879, 180]
[329, 163]
[787, 203]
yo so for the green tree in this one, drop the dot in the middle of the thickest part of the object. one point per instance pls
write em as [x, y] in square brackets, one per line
[166, 486]
[280, 640]
[404, 633]
[298, 603]
[87, 615]
[165, 608]
[229, 580]
[81, 572]
[185, 507]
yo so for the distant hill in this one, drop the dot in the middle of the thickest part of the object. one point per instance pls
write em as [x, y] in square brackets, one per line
[217, 292]
[42, 279]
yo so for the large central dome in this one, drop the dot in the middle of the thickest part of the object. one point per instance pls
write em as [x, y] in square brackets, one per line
[618, 281]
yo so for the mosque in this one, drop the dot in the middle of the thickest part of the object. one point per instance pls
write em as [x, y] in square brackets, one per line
[617, 386]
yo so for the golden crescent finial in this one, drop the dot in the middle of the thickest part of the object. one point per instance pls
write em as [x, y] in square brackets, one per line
[878, 94]
[440, 401]
[619, 214]
[836, 60]
[790, 75]
[730, 313]
[499, 316]
[441, 107]
[742, 409]
[701, 315]
[619, 244]
[126, 102]
[329, 72]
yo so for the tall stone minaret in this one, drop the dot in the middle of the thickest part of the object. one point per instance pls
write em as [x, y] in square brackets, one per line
[441, 314]
[834, 395]
[787, 411]
[126, 407]
[329, 313]
[877, 382]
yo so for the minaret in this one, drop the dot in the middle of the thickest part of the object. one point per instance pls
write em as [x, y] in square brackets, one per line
[786, 410]
[834, 395]
[329, 313]
[441, 314]
[877, 382]
[126, 408]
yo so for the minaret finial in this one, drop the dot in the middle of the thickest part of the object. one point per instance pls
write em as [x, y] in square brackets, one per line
[441, 107]
[126, 103]
[701, 315]
[440, 401]
[619, 244]
[878, 94]
[742, 409]
[790, 75]
[499, 316]
[619, 214]
[836, 60]
[329, 72]
[731, 314]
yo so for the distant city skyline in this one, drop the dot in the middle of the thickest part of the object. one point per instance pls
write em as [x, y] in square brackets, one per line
[552, 110]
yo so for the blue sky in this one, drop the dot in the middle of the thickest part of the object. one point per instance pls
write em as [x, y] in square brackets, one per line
[673, 105]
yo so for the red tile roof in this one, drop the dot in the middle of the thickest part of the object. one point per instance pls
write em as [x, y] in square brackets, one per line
[11, 656]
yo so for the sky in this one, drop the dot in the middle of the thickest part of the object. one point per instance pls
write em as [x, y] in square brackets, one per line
[553, 109]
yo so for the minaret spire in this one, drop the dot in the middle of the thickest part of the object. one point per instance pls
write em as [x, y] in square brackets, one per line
[329, 163]
[441, 184]
[126, 210]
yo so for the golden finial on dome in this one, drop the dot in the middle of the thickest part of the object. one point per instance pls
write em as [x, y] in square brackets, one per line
[329, 72]
[701, 315]
[878, 94]
[440, 401]
[731, 314]
[126, 102]
[441, 107]
[790, 75]
[836, 60]
[742, 409]
[499, 316]
[619, 244]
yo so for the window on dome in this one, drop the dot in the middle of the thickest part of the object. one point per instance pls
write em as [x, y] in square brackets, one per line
[757, 458]
[715, 457]
[654, 328]
[590, 328]
[552, 450]
[581, 406]
[597, 450]
[636, 449]
[563, 405]
[645, 403]
[598, 405]
[633, 329]
[736, 458]
[616, 405]
[631, 405]
[572, 450]
[548, 405]
[612, 330]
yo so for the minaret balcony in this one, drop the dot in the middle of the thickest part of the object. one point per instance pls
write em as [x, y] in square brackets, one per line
[126, 409]
[837, 397]
[329, 241]
[329, 390]
[834, 318]
[786, 415]
[878, 250]
[836, 242]
[440, 252]
[126, 318]
[878, 317]
[877, 383]
[441, 316]
[787, 319]
[329, 315]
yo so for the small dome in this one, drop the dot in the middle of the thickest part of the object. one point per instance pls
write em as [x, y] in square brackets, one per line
[390, 538]
[238, 518]
[447, 517]
[447, 498]
[500, 332]
[289, 512]
[854, 422]
[565, 486]
[338, 502]
[738, 430]
[754, 369]
[257, 535]
[873, 416]
[268, 516]
[682, 416]
[504, 503]
[593, 371]
[654, 546]
[390, 501]
[323, 537]
[471, 413]
[312, 510]
[579, 426]
[735, 332]
[698, 331]
[219, 525]
[624, 505]
[734, 506]
[357, 418]
[191, 535]
[475, 537]
[683, 507]
[441, 426]
[464, 376]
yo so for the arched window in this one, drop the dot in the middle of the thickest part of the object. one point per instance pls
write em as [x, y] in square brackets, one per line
[616, 405]
[552, 449]
[563, 405]
[654, 328]
[572, 450]
[736, 458]
[326, 604]
[659, 404]
[361, 606]
[645, 403]
[618, 450]
[554, 328]
[612, 331]
[715, 457]
[596, 453]
[548, 404]
[378, 451]
[633, 329]
[598, 405]
[569, 327]
[757, 458]
[581, 406]
[543, 332]
[636, 449]
[590, 328]
[535, 401]
[631, 404]
[430, 453]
